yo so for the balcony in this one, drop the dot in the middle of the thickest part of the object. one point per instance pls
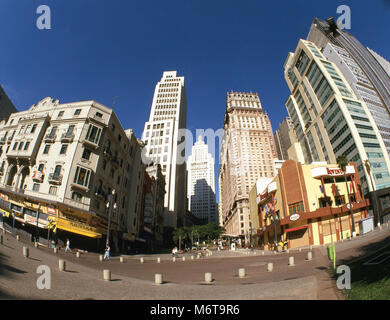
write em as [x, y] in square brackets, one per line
[91, 142]
[50, 137]
[75, 185]
[3, 140]
[38, 176]
[55, 178]
[67, 137]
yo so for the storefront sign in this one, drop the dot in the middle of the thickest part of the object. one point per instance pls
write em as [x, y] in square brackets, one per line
[51, 210]
[32, 220]
[77, 227]
[294, 217]
[331, 172]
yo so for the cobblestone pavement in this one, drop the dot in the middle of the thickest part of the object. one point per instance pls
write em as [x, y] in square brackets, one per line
[83, 278]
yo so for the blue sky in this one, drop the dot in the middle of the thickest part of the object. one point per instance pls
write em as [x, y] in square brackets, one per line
[104, 49]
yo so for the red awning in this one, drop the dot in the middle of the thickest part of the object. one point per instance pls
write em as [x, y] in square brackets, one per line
[295, 229]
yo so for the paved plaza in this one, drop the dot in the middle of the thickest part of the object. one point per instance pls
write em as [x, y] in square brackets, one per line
[183, 280]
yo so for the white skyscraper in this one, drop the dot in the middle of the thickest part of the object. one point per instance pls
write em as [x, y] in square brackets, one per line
[201, 184]
[165, 142]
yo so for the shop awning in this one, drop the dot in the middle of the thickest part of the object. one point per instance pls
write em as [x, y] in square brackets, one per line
[75, 227]
[295, 229]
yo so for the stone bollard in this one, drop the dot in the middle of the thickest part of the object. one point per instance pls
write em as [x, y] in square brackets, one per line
[55, 250]
[158, 279]
[25, 252]
[158, 260]
[101, 258]
[208, 277]
[77, 254]
[309, 256]
[106, 275]
[241, 273]
[291, 261]
[141, 260]
[288, 250]
[262, 253]
[300, 249]
[174, 259]
[184, 258]
[270, 267]
[36, 244]
[1, 239]
[121, 260]
[198, 256]
[17, 237]
[61, 265]
[192, 257]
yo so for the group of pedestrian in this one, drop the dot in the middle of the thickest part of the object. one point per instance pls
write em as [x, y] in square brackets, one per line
[106, 253]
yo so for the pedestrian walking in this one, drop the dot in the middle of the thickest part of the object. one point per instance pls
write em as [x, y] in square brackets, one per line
[68, 246]
[174, 252]
[107, 253]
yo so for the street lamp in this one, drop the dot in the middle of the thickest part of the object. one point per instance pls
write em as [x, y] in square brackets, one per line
[109, 206]
[37, 228]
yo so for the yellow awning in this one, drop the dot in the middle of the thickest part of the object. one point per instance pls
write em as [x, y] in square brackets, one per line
[76, 227]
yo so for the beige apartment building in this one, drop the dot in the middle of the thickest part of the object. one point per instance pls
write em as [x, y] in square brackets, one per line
[247, 153]
[63, 161]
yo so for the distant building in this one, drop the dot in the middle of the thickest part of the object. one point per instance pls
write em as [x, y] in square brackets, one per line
[247, 153]
[284, 138]
[6, 106]
[201, 183]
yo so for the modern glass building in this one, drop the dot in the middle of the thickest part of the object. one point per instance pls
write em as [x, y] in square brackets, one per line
[329, 118]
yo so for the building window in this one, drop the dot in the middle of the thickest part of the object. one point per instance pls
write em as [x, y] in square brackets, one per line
[93, 134]
[339, 200]
[26, 146]
[53, 190]
[296, 207]
[40, 168]
[47, 148]
[87, 155]
[33, 128]
[77, 112]
[15, 146]
[64, 147]
[60, 114]
[82, 176]
[99, 115]
[36, 187]
[20, 146]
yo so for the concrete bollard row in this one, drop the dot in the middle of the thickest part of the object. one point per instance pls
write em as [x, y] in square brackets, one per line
[121, 259]
[270, 267]
[241, 273]
[106, 275]
[158, 278]
[25, 252]
[208, 277]
[61, 265]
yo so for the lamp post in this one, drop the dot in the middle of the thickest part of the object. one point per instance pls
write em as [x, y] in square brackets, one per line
[36, 218]
[109, 206]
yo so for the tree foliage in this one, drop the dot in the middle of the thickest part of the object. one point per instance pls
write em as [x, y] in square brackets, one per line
[190, 235]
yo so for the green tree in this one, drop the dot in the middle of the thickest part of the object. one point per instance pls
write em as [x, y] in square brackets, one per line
[179, 235]
[342, 162]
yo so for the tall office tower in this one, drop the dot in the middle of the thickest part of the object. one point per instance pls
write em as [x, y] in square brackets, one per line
[284, 138]
[201, 183]
[330, 116]
[6, 106]
[247, 153]
[363, 70]
[165, 142]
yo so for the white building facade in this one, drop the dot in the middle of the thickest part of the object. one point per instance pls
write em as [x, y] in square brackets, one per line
[164, 137]
[201, 183]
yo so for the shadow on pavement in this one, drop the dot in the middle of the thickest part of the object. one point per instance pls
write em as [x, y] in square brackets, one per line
[369, 273]
[5, 271]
